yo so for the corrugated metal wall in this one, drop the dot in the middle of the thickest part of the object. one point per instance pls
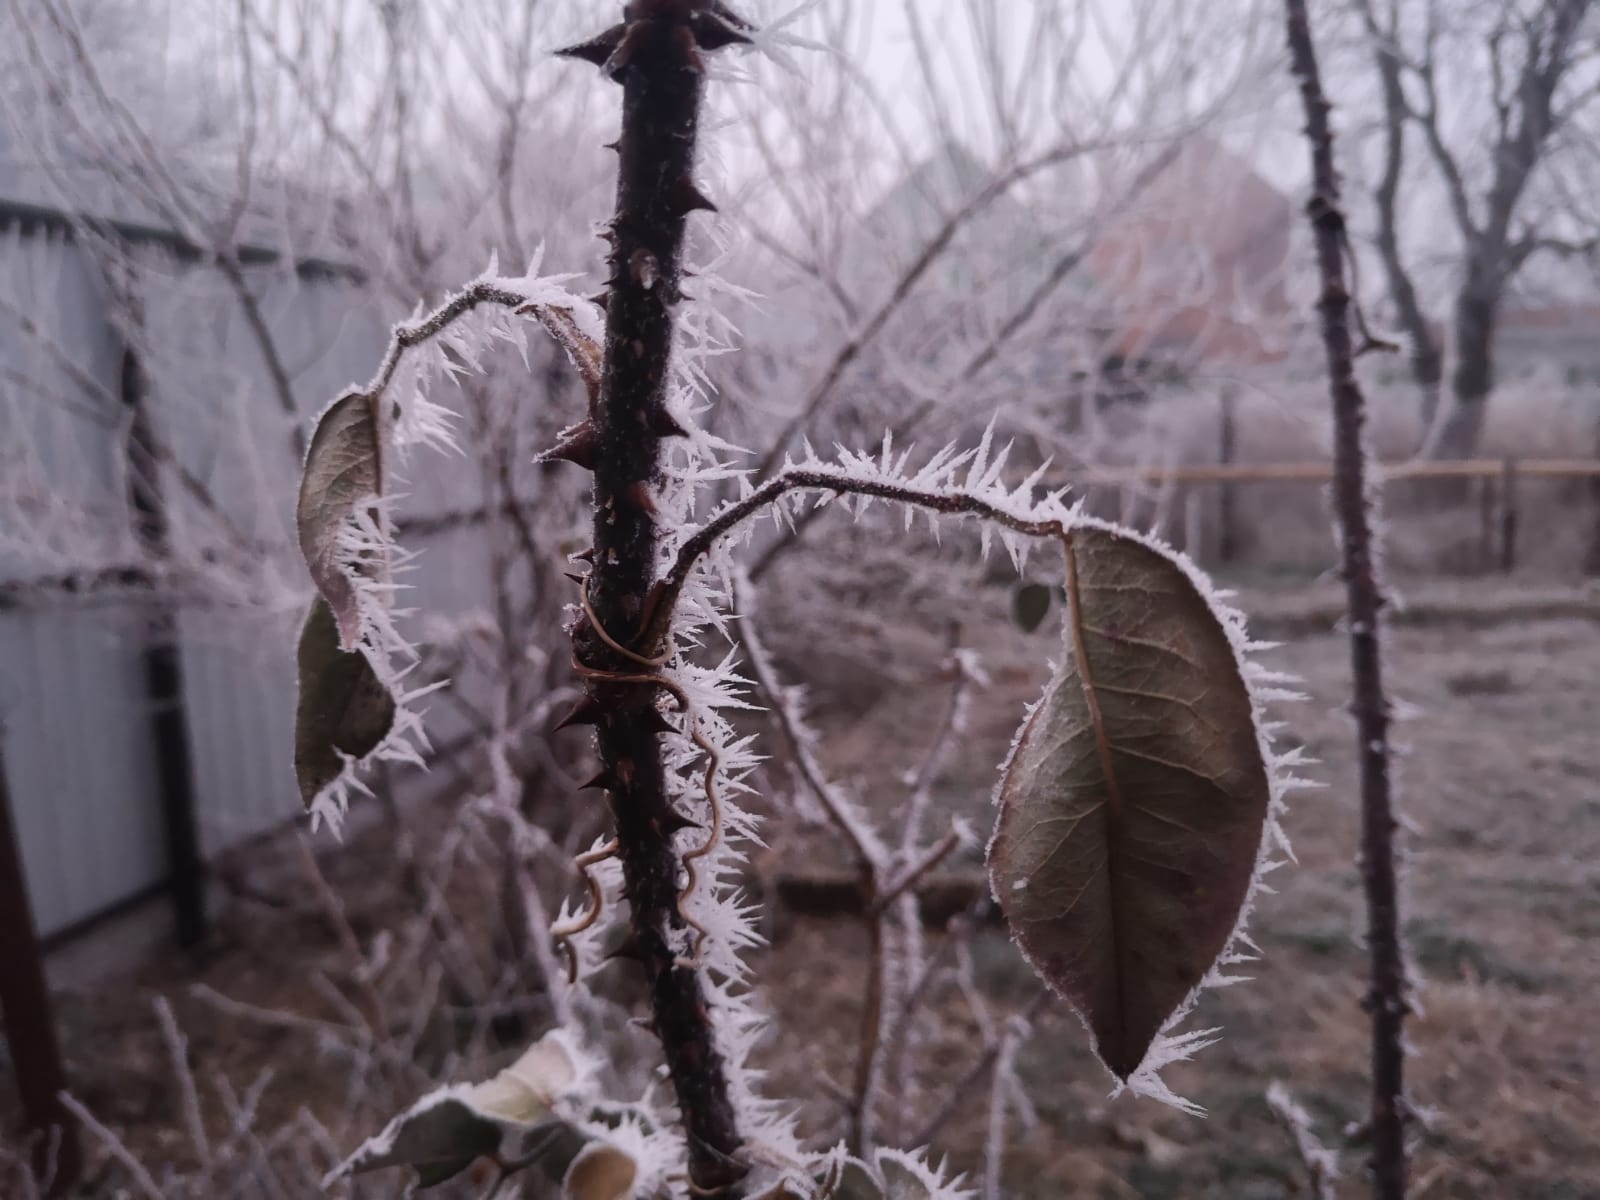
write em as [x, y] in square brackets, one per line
[76, 728]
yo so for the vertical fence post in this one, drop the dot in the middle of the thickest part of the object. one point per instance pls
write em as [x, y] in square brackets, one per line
[1487, 503]
[1509, 516]
[1227, 515]
[163, 674]
[1592, 565]
[1194, 523]
[29, 1023]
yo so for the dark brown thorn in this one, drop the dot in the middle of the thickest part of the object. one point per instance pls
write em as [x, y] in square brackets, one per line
[676, 821]
[664, 424]
[635, 34]
[585, 712]
[601, 299]
[577, 446]
[583, 556]
[688, 197]
[580, 580]
[655, 721]
[597, 50]
[717, 27]
[600, 780]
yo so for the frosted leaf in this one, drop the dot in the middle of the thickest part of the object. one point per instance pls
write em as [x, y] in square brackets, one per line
[1139, 803]
[344, 713]
[343, 477]
[600, 1172]
[445, 1131]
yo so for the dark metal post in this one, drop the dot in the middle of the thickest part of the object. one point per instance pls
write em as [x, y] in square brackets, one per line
[1509, 517]
[1487, 502]
[29, 1021]
[163, 675]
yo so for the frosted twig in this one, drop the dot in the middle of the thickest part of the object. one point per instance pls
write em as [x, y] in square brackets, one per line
[115, 1146]
[939, 746]
[183, 1075]
[994, 1143]
[1321, 1164]
[974, 1076]
[843, 811]
[914, 873]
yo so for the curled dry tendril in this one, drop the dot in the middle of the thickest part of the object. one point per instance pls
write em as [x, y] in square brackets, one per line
[566, 930]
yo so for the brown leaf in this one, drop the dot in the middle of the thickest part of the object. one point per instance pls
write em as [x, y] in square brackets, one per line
[343, 708]
[1135, 800]
[600, 1172]
[344, 469]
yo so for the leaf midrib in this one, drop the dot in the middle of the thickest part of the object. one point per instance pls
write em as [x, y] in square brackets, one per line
[1080, 654]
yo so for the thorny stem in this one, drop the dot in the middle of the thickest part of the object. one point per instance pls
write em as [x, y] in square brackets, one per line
[656, 54]
[1386, 1000]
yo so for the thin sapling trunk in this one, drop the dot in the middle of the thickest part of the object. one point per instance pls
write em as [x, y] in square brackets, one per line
[1386, 1000]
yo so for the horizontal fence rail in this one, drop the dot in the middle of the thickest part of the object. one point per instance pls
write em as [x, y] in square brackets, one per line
[1322, 472]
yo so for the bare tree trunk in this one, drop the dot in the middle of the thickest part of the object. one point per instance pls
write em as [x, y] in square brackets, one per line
[1472, 380]
[1427, 362]
[1592, 563]
[657, 60]
[1386, 998]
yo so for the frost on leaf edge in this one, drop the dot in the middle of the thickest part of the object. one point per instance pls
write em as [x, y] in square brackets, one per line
[1264, 687]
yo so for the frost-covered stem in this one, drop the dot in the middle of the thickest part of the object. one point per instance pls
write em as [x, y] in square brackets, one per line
[869, 1061]
[949, 501]
[872, 862]
[183, 1076]
[1321, 1168]
[655, 56]
[414, 333]
[988, 1062]
[841, 810]
[115, 1147]
[950, 720]
[897, 1050]
[1386, 999]
[994, 1144]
